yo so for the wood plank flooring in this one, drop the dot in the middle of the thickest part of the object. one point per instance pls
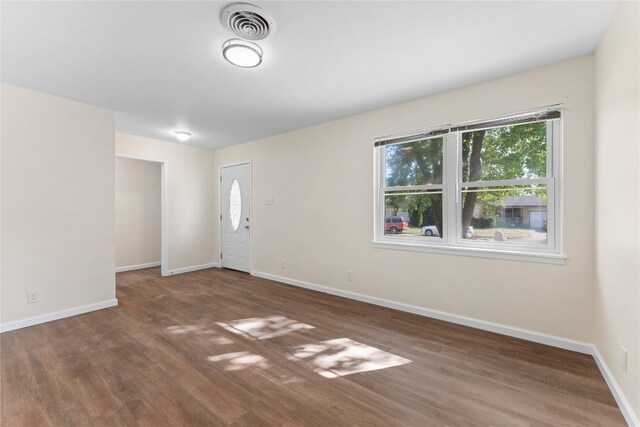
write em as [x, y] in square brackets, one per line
[176, 351]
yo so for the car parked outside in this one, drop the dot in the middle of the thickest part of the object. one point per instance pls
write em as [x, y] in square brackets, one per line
[395, 224]
[430, 230]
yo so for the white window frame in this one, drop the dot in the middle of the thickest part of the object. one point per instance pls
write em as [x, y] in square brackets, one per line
[452, 186]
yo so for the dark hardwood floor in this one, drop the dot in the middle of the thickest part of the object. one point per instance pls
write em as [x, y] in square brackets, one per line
[176, 351]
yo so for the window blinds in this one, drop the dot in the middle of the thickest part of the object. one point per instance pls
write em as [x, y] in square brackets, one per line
[547, 113]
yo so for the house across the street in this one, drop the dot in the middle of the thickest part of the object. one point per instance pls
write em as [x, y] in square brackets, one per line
[526, 211]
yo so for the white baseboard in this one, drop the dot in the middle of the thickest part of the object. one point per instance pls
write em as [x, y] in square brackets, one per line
[193, 268]
[511, 331]
[555, 341]
[138, 266]
[624, 405]
[43, 318]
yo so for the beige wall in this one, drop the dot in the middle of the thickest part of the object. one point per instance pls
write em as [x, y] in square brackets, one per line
[192, 197]
[57, 178]
[57, 231]
[617, 292]
[321, 181]
[137, 212]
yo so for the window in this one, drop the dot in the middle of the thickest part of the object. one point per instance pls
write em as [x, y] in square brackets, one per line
[482, 188]
[235, 205]
[513, 212]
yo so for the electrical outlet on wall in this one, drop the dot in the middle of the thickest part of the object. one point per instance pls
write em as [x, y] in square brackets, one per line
[349, 276]
[623, 358]
[283, 264]
[32, 296]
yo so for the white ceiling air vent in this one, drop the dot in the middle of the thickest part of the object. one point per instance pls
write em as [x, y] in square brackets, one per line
[248, 21]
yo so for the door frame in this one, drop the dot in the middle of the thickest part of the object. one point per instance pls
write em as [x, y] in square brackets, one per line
[229, 165]
[164, 207]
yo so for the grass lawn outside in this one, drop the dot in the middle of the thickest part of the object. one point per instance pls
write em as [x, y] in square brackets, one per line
[481, 233]
[413, 231]
[509, 233]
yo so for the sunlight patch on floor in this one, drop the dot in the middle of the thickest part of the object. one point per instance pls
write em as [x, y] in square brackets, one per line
[240, 360]
[199, 330]
[263, 328]
[184, 329]
[343, 356]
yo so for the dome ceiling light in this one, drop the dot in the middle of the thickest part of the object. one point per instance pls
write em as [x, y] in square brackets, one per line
[182, 135]
[242, 53]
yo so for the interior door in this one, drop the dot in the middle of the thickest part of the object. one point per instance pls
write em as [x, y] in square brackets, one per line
[235, 208]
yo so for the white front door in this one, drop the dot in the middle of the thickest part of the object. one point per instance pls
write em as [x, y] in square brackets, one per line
[235, 226]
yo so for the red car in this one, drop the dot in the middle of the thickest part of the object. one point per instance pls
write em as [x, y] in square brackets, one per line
[395, 224]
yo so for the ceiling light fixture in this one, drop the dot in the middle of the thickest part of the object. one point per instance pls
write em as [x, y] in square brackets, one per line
[182, 135]
[242, 53]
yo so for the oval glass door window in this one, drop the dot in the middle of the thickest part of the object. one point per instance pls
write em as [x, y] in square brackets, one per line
[235, 205]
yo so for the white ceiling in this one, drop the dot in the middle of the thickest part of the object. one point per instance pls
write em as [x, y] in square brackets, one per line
[159, 64]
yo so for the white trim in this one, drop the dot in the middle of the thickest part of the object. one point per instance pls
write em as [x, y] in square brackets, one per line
[138, 266]
[43, 318]
[219, 219]
[426, 187]
[511, 331]
[545, 258]
[558, 179]
[378, 198]
[624, 405]
[504, 182]
[164, 207]
[451, 193]
[193, 268]
[525, 334]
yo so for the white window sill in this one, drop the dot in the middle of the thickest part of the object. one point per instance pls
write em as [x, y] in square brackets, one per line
[547, 258]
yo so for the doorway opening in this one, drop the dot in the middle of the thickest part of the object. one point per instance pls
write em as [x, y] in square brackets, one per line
[141, 213]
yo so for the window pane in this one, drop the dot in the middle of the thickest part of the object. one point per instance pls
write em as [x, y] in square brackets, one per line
[414, 163]
[235, 205]
[507, 215]
[510, 152]
[414, 214]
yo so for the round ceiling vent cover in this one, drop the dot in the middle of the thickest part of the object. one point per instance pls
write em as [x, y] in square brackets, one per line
[248, 21]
